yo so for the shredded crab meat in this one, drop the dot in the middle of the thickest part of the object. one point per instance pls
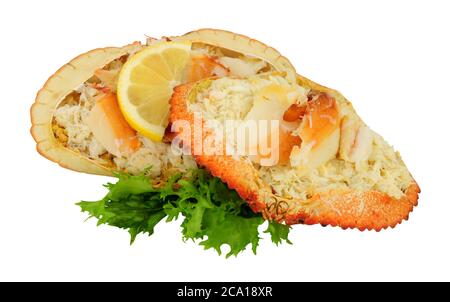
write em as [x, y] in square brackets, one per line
[383, 170]
[70, 126]
[368, 194]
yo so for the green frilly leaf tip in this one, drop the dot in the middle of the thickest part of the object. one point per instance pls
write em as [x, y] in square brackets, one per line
[212, 214]
[278, 232]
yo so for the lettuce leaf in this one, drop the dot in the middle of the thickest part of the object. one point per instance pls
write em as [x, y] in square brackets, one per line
[212, 214]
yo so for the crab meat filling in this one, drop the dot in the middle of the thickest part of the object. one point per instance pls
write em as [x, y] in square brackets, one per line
[320, 143]
[88, 121]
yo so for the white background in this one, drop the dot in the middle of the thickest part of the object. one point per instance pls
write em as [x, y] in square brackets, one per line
[391, 58]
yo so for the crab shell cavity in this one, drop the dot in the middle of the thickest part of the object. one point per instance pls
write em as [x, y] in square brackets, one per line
[347, 207]
[81, 68]
[242, 44]
[57, 87]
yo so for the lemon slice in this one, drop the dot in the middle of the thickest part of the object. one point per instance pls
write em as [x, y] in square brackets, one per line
[145, 85]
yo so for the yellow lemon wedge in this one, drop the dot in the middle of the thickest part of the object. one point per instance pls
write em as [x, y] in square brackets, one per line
[145, 86]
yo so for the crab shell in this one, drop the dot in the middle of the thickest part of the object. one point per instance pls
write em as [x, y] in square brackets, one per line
[371, 210]
[81, 68]
[241, 44]
[57, 87]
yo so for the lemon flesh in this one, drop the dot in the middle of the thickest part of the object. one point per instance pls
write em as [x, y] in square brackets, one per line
[145, 86]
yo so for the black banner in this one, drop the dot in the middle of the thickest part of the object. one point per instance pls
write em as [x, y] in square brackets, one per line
[206, 291]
